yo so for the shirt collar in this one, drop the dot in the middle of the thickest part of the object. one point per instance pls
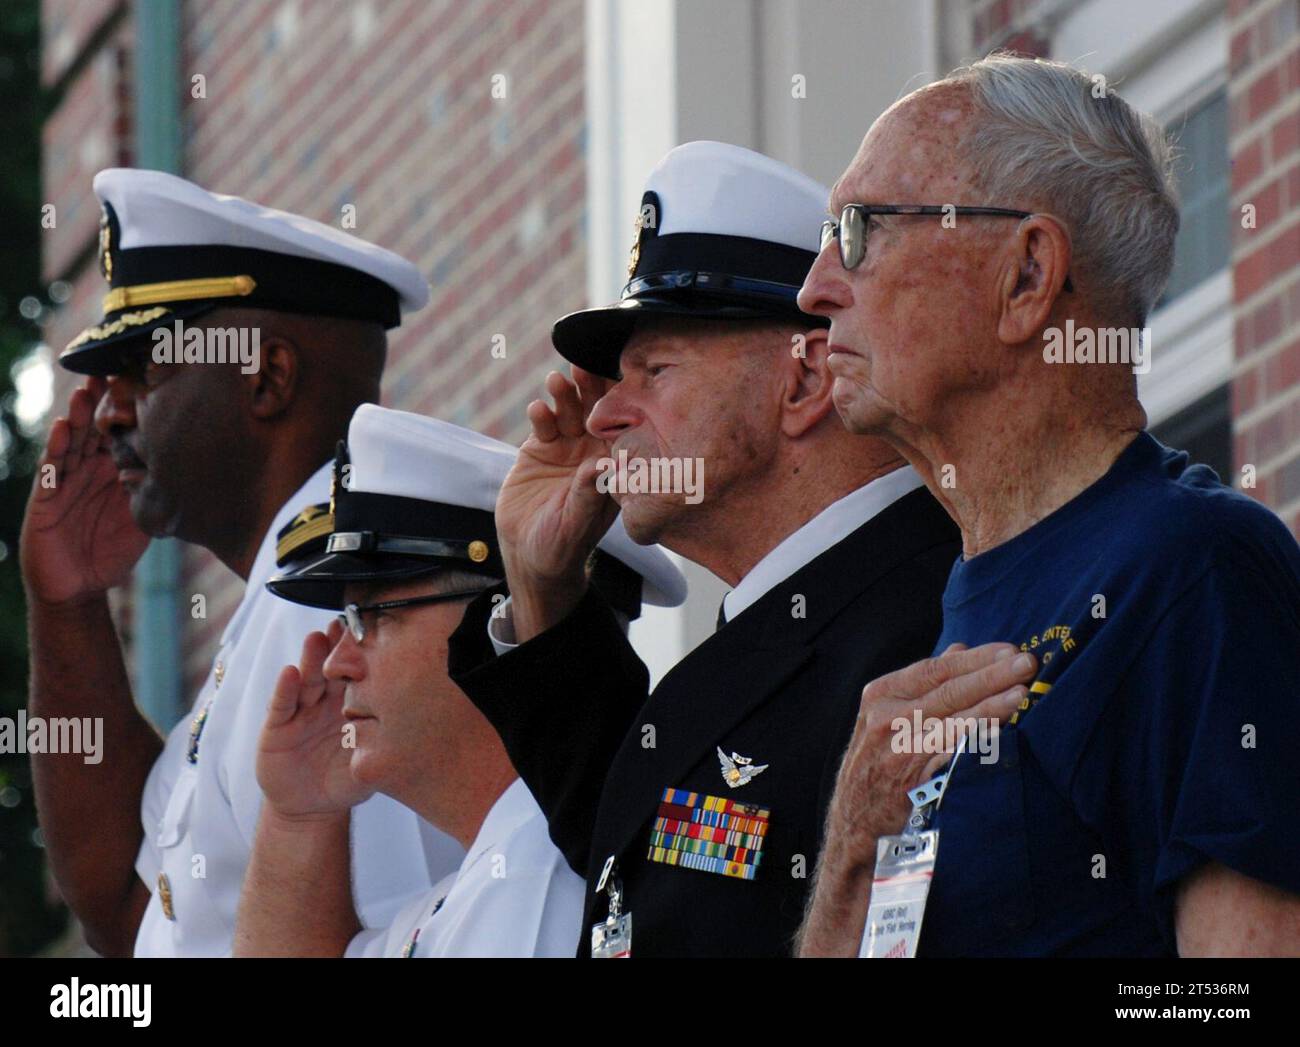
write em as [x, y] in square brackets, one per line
[512, 809]
[832, 525]
[315, 490]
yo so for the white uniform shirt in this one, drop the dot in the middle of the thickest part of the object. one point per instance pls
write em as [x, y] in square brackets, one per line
[514, 896]
[199, 817]
[829, 527]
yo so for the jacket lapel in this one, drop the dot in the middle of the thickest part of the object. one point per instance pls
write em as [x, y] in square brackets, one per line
[752, 659]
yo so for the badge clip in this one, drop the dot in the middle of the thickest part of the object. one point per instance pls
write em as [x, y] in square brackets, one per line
[612, 938]
[904, 870]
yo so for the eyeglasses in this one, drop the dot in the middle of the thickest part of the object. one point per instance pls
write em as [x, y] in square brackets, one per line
[852, 228]
[351, 616]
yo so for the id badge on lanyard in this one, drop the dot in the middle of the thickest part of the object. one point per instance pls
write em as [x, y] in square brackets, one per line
[612, 937]
[904, 871]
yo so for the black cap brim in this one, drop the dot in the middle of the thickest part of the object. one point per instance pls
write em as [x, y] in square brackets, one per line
[107, 355]
[321, 582]
[594, 338]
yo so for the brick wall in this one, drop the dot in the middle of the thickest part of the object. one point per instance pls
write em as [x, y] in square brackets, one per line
[1008, 24]
[386, 106]
[1264, 144]
[1264, 129]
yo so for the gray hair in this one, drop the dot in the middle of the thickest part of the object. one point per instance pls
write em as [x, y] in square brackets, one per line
[1048, 135]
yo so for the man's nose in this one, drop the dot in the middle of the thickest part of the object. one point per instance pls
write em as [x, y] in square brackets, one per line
[347, 662]
[614, 412]
[825, 289]
[116, 408]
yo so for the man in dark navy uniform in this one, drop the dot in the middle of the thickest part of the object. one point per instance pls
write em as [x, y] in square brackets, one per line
[696, 809]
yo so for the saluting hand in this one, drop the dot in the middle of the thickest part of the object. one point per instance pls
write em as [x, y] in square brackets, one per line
[549, 515]
[303, 761]
[79, 539]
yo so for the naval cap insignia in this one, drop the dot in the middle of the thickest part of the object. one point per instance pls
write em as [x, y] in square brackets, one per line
[646, 226]
[106, 245]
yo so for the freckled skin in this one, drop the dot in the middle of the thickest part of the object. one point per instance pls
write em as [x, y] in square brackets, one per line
[711, 400]
[936, 343]
[936, 338]
[914, 342]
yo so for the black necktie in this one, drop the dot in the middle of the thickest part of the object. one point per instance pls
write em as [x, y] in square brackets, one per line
[722, 614]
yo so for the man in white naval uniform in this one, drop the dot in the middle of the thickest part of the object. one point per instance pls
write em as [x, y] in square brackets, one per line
[370, 706]
[235, 345]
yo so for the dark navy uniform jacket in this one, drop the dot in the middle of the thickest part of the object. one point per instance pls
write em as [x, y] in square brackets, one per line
[574, 711]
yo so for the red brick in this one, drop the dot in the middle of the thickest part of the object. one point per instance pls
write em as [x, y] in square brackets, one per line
[1266, 323]
[1282, 371]
[1292, 194]
[1245, 392]
[86, 132]
[1252, 271]
[1264, 93]
[1247, 163]
[1268, 207]
[1270, 435]
[1286, 136]
[1241, 50]
[1242, 329]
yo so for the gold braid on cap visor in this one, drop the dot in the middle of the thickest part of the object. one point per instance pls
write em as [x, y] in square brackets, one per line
[179, 291]
[117, 326]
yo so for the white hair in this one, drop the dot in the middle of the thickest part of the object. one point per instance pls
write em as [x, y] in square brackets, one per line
[1048, 136]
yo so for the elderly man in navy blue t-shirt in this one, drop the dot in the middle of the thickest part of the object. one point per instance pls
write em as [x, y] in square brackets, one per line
[1145, 798]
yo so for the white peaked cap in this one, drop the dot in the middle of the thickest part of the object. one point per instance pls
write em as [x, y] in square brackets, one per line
[156, 209]
[172, 251]
[722, 233]
[727, 190]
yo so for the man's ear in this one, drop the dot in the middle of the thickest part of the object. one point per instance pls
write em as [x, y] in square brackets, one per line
[274, 382]
[1033, 278]
[806, 394]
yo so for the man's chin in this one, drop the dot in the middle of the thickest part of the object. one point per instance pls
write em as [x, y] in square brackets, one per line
[367, 764]
[855, 407]
[150, 514]
[645, 517]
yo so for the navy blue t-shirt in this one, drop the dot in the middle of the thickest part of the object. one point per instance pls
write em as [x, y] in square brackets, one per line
[1164, 610]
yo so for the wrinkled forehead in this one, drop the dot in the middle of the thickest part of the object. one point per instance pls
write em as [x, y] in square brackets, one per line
[912, 153]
